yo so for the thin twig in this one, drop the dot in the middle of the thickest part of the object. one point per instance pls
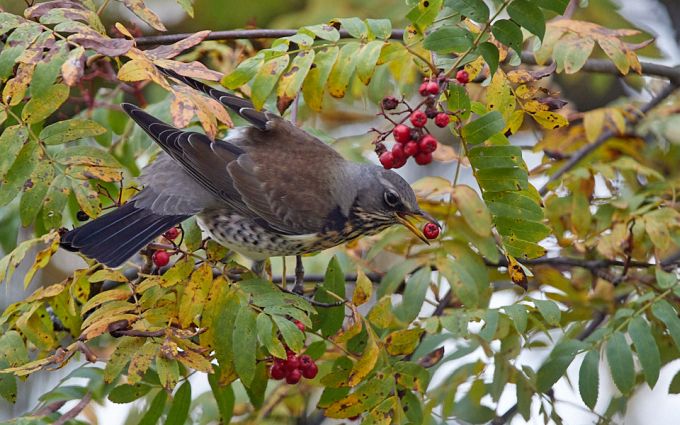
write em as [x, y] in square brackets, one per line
[75, 411]
[606, 135]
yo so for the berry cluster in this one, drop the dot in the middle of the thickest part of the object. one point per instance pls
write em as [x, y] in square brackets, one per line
[161, 257]
[293, 368]
[415, 140]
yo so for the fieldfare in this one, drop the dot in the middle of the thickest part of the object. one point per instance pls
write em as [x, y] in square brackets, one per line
[268, 189]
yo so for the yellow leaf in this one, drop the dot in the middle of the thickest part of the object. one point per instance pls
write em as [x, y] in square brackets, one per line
[550, 120]
[366, 362]
[516, 272]
[136, 70]
[499, 96]
[403, 342]
[363, 289]
[475, 67]
[43, 257]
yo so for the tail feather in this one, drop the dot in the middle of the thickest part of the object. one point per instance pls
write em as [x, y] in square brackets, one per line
[115, 237]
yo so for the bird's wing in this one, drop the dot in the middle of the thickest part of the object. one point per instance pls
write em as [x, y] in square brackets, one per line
[243, 107]
[282, 175]
[289, 177]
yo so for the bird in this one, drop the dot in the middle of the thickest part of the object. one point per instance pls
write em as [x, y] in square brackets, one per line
[268, 189]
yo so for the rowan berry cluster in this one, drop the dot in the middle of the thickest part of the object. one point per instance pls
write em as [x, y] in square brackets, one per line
[415, 140]
[294, 367]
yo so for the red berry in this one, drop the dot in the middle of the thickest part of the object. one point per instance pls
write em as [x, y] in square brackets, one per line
[418, 118]
[442, 119]
[171, 234]
[310, 371]
[432, 87]
[160, 258]
[305, 361]
[277, 371]
[293, 376]
[427, 144]
[398, 153]
[462, 76]
[411, 148]
[423, 158]
[387, 160]
[300, 325]
[401, 162]
[401, 133]
[292, 363]
[431, 231]
[423, 89]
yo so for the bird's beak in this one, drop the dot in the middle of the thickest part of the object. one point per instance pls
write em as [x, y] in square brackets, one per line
[407, 218]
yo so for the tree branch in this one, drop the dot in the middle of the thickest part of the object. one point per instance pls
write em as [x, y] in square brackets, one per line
[606, 135]
[238, 35]
[605, 66]
[75, 411]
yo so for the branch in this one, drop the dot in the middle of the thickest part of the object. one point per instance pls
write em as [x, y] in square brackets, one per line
[606, 135]
[75, 411]
[238, 35]
[607, 67]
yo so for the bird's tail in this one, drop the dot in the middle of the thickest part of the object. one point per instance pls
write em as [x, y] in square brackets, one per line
[115, 237]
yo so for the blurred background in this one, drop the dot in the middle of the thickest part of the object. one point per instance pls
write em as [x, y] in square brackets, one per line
[349, 119]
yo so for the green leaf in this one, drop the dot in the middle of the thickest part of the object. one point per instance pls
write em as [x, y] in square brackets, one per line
[518, 314]
[314, 86]
[663, 311]
[329, 320]
[35, 190]
[342, 71]
[529, 16]
[86, 155]
[127, 393]
[558, 6]
[473, 209]
[269, 338]
[664, 279]
[395, 276]
[459, 100]
[45, 104]
[470, 409]
[549, 310]
[552, 370]
[489, 52]
[367, 59]
[224, 331]
[477, 10]
[620, 360]
[483, 128]
[224, 397]
[291, 334]
[589, 378]
[366, 396]
[291, 81]
[508, 33]
[20, 171]
[380, 28]
[244, 344]
[179, 409]
[491, 319]
[155, 409]
[47, 72]
[244, 72]
[674, 387]
[257, 388]
[11, 142]
[87, 197]
[414, 295]
[448, 39]
[354, 26]
[68, 130]
[55, 201]
[323, 31]
[266, 79]
[647, 350]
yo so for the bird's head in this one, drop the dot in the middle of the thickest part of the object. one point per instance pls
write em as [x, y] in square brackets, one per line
[385, 198]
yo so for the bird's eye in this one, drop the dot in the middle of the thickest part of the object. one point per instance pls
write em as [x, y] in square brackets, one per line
[391, 198]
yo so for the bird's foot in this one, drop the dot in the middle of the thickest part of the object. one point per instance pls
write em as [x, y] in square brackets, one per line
[299, 287]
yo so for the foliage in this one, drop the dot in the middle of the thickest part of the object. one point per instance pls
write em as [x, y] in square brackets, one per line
[609, 295]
